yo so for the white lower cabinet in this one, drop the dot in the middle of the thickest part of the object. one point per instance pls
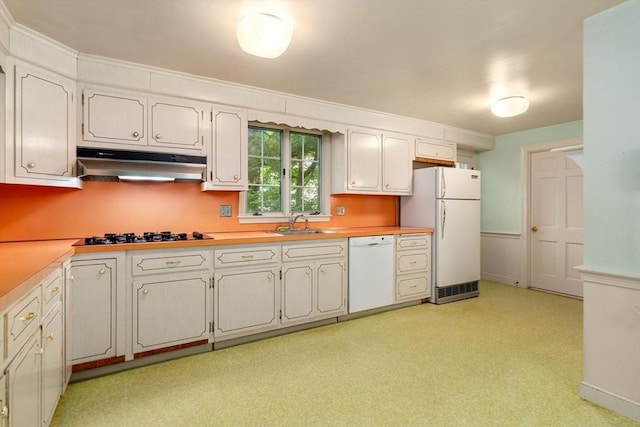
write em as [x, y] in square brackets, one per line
[246, 301]
[170, 310]
[314, 281]
[97, 282]
[413, 267]
[24, 391]
[34, 370]
[172, 299]
[52, 362]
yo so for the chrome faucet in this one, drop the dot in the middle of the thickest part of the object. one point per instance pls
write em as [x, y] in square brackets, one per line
[293, 219]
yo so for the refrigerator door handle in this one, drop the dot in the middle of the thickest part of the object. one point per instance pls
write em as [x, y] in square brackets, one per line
[444, 218]
[444, 184]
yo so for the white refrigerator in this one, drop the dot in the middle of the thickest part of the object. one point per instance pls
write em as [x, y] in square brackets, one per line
[448, 200]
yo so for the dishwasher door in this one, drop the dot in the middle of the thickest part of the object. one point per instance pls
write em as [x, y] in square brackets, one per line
[371, 265]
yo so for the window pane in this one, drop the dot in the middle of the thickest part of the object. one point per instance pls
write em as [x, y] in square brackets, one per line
[296, 146]
[311, 200]
[304, 178]
[264, 194]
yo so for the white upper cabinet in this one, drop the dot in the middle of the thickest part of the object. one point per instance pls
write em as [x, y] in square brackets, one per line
[133, 121]
[44, 123]
[397, 171]
[369, 161]
[433, 149]
[227, 162]
[177, 125]
[114, 118]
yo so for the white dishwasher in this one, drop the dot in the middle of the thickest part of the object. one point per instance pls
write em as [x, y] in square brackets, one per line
[371, 266]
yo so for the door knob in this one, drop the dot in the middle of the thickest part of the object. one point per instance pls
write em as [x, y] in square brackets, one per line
[534, 228]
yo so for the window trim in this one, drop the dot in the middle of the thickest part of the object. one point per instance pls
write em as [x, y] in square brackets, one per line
[325, 182]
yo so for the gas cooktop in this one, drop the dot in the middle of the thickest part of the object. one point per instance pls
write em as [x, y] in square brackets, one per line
[146, 237]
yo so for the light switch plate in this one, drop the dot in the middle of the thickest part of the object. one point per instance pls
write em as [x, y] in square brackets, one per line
[339, 210]
[225, 210]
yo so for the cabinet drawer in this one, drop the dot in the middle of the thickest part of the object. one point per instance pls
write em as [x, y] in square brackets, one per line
[168, 261]
[413, 286]
[52, 291]
[327, 249]
[233, 257]
[412, 262]
[413, 242]
[22, 320]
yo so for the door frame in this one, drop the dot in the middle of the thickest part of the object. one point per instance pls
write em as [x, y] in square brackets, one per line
[525, 178]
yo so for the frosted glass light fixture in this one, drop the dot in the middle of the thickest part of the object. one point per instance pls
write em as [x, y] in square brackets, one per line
[510, 106]
[264, 35]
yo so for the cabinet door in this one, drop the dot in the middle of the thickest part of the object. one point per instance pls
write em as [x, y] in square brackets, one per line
[228, 164]
[297, 293]
[364, 158]
[331, 288]
[25, 385]
[52, 363]
[434, 149]
[246, 301]
[44, 131]
[176, 125]
[94, 309]
[170, 309]
[115, 118]
[396, 160]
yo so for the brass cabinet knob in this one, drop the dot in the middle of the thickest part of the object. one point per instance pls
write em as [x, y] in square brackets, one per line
[534, 229]
[135, 134]
[31, 165]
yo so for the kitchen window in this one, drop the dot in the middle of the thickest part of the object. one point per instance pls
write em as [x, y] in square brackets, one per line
[286, 174]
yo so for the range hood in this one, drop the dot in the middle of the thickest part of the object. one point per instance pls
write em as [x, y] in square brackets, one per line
[140, 165]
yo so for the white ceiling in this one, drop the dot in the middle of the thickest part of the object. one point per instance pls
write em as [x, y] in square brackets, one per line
[437, 60]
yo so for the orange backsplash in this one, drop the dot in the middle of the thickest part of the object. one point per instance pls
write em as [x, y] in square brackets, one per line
[41, 213]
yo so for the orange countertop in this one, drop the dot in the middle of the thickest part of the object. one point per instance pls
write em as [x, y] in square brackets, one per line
[24, 264]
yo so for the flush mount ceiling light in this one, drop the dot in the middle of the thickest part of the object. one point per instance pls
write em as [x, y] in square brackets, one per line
[510, 106]
[264, 35]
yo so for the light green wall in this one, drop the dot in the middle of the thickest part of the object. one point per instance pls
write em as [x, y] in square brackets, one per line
[612, 140]
[501, 204]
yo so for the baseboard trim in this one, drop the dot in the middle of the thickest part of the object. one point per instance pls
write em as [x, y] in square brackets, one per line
[610, 401]
[506, 280]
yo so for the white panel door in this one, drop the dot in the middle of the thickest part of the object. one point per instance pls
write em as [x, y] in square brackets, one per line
[365, 161]
[396, 162]
[556, 223]
[457, 242]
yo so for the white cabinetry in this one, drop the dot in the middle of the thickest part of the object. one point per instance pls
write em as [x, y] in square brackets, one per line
[430, 150]
[413, 267]
[97, 282]
[44, 122]
[368, 161]
[34, 363]
[171, 294]
[314, 281]
[227, 162]
[247, 285]
[124, 120]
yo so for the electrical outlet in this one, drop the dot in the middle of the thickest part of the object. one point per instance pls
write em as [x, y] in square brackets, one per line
[225, 210]
[339, 210]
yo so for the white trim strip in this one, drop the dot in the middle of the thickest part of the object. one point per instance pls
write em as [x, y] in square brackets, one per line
[610, 401]
[609, 278]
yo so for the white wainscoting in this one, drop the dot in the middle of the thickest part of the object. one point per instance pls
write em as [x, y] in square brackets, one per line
[612, 342]
[501, 258]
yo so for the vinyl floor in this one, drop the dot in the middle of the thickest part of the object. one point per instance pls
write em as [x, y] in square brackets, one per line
[511, 357]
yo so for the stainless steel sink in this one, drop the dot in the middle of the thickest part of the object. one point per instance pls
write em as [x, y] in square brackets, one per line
[297, 231]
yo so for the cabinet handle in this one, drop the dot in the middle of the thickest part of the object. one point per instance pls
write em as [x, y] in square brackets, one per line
[247, 257]
[413, 286]
[413, 243]
[322, 270]
[146, 291]
[308, 272]
[31, 165]
[28, 317]
[270, 276]
[353, 183]
[39, 352]
[4, 413]
[135, 134]
[235, 177]
[158, 136]
[386, 186]
[412, 262]
[102, 271]
[72, 278]
[50, 336]
[54, 290]
[172, 263]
